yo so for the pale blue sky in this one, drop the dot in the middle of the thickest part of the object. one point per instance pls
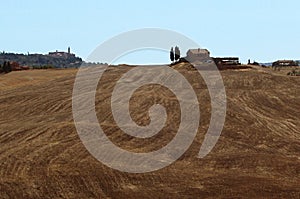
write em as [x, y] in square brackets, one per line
[264, 30]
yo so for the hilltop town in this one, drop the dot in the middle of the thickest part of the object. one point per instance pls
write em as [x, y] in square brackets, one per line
[57, 59]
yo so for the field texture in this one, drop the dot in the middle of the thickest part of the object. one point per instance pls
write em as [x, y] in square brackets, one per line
[257, 155]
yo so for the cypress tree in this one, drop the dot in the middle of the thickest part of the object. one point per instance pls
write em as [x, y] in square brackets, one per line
[177, 53]
[4, 67]
[172, 55]
[9, 67]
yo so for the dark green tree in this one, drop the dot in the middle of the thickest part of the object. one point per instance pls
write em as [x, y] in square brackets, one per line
[6, 67]
[172, 57]
[9, 67]
[177, 53]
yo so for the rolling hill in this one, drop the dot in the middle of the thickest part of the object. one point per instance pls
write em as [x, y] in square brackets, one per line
[257, 155]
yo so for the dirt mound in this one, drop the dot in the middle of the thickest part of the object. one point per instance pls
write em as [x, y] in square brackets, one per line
[257, 155]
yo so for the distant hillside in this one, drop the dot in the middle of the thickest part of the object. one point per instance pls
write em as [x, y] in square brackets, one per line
[55, 59]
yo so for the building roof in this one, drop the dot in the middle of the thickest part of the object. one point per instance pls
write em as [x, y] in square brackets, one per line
[198, 51]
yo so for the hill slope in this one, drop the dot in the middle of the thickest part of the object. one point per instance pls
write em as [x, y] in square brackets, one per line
[257, 155]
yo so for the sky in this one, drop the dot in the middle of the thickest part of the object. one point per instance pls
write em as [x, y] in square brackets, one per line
[260, 30]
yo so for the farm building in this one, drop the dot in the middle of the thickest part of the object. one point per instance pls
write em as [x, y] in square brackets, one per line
[226, 60]
[197, 54]
[222, 63]
[285, 63]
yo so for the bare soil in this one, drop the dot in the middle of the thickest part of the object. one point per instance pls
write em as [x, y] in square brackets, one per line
[257, 155]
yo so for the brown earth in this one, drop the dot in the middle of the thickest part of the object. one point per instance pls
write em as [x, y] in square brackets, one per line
[257, 155]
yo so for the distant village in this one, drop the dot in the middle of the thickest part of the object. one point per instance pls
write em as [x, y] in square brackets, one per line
[60, 59]
[57, 59]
